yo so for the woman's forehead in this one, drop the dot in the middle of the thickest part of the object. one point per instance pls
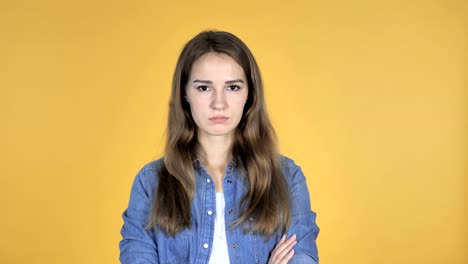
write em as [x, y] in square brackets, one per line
[216, 66]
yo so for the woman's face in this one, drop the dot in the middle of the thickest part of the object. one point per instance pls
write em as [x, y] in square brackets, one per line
[217, 92]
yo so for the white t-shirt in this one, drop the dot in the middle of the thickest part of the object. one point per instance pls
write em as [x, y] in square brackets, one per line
[219, 252]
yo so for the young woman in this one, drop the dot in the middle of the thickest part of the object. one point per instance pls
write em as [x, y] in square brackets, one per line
[222, 193]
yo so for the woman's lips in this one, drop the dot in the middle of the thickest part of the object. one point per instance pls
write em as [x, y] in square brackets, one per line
[218, 119]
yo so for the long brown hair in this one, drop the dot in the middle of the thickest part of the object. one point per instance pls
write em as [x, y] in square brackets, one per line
[267, 200]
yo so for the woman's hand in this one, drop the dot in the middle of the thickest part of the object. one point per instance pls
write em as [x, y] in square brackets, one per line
[283, 251]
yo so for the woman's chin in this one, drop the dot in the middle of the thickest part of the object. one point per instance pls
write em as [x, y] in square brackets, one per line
[219, 133]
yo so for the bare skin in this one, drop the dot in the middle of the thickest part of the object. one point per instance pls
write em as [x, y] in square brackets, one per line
[216, 155]
[217, 87]
[283, 251]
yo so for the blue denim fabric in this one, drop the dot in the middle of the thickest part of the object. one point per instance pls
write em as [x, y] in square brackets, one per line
[194, 245]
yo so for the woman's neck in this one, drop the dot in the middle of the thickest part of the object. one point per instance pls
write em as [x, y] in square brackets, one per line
[215, 151]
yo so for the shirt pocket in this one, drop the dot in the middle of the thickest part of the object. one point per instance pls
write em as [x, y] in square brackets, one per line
[176, 249]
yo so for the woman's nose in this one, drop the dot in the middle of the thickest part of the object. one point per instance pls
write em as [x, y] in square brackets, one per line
[219, 100]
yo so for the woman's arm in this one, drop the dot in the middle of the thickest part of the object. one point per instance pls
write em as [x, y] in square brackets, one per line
[303, 223]
[137, 245]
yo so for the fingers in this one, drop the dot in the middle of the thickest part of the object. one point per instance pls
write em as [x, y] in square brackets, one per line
[283, 251]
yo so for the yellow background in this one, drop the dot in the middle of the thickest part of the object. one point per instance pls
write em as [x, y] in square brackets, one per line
[369, 97]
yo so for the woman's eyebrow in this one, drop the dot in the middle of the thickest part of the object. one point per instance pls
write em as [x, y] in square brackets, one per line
[234, 81]
[203, 81]
[227, 82]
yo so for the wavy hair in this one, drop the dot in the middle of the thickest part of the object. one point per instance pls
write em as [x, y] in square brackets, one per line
[267, 199]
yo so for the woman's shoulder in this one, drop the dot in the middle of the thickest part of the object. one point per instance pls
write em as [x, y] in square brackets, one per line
[148, 173]
[291, 170]
[153, 165]
[287, 162]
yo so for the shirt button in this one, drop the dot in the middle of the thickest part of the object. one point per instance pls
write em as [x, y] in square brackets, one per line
[210, 212]
[208, 180]
[205, 245]
[230, 211]
[234, 245]
[229, 181]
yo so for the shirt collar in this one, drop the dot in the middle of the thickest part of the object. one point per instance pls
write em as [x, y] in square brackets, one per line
[197, 163]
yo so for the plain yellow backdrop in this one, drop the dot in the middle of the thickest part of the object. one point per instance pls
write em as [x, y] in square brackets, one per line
[369, 97]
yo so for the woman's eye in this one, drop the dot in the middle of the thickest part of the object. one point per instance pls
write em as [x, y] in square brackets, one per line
[233, 88]
[202, 88]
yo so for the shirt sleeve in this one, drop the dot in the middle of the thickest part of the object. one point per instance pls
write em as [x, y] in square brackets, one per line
[137, 245]
[303, 222]
[302, 259]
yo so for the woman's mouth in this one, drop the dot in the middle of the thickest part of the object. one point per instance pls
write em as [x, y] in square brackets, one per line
[218, 119]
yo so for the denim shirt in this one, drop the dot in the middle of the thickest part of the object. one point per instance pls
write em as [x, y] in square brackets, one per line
[151, 246]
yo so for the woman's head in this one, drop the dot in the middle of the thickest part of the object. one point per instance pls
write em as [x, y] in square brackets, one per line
[234, 106]
[216, 91]
[223, 49]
